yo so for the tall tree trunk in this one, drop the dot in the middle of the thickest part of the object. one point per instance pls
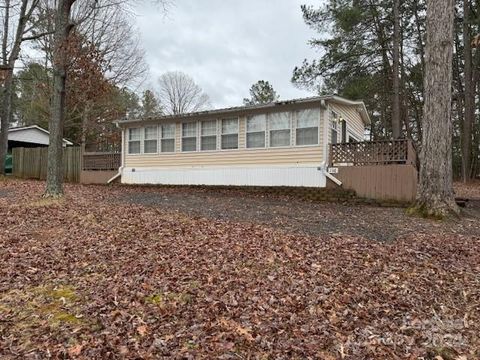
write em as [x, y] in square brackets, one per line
[55, 150]
[4, 121]
[469, 92]
[435, 192]
[8, 63]
[6, 117]
[396, 124]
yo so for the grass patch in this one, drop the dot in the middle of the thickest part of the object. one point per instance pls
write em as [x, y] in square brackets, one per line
[34, 307]
[168, 299]
[62, 293]
[4, 178]
[423, 212]
[45, 202]
[67, 318]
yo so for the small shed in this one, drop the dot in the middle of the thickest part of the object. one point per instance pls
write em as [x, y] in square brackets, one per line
[30, 136]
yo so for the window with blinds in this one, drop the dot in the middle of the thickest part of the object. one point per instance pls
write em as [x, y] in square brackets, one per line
[150, 140]
[208, 140]
[189, 136]
[229, 134]
[134, 140]
[167, 142]
[279, 128]
[307, 127]
[256, 131]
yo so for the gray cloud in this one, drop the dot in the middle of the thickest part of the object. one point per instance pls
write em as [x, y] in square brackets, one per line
[227, 45]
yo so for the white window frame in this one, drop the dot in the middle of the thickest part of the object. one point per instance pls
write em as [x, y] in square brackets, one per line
[189, 137]
[290, 128]
[318, 123]
[333, 126]
[140, 140]
[233, 133]
[168, 138]
[154, 139]
[202, 136]
[265, 120]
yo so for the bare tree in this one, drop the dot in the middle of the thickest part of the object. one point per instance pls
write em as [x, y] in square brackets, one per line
[178, 94]
[16, 16]
[108, 31]
[435, 192]
[63, 24]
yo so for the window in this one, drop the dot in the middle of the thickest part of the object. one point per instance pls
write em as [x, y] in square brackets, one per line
[256, 131]
[167, 143]
[333, 131]
[208, 140]
[351, 139]
[279, 125]
[229, 134]
[134, 139]
[307, 127]
[189, 136]
[150, 140]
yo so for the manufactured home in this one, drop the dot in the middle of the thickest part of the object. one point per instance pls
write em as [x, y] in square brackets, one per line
[279, 144]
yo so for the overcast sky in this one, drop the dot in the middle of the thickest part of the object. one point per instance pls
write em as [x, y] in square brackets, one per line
[227, 45]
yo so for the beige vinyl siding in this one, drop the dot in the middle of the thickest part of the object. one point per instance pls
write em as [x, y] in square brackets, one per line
[311, 155]
[321, 133]
[241, 132]
[351, 115]
[178, 137]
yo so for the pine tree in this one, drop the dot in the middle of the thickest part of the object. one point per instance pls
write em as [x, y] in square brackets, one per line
[261, 93]
[435, 192]
[150, 104]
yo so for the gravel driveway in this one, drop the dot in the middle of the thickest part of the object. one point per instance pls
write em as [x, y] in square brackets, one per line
[297, 216]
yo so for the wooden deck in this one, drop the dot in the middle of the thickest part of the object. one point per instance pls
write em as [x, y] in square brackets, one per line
[97, 161]
[385, 152]
[380, 170]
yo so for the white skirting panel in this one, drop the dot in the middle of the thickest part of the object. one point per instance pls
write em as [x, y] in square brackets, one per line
[235, 176]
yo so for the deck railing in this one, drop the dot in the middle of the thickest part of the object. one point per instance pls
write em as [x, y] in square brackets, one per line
[372, 153]
[101, 161]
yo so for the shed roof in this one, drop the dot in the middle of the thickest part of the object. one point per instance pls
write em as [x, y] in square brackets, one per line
[32, 134]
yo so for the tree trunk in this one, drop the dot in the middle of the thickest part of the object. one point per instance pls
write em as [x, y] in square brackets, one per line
[9, 59]
[55, 150]
[435, 192]
[469, 92]
[6, 114]
[396, 124]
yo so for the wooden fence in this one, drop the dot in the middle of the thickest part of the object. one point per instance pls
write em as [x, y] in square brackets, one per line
[31, 163]
[373, 153]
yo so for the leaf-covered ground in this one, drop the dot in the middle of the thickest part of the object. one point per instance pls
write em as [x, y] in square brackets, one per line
[130, 272]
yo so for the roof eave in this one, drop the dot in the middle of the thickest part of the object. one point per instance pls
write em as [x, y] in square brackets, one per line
[246, 109]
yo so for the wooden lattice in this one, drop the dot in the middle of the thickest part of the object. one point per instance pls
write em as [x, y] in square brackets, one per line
[101, 161]
[372, 153]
